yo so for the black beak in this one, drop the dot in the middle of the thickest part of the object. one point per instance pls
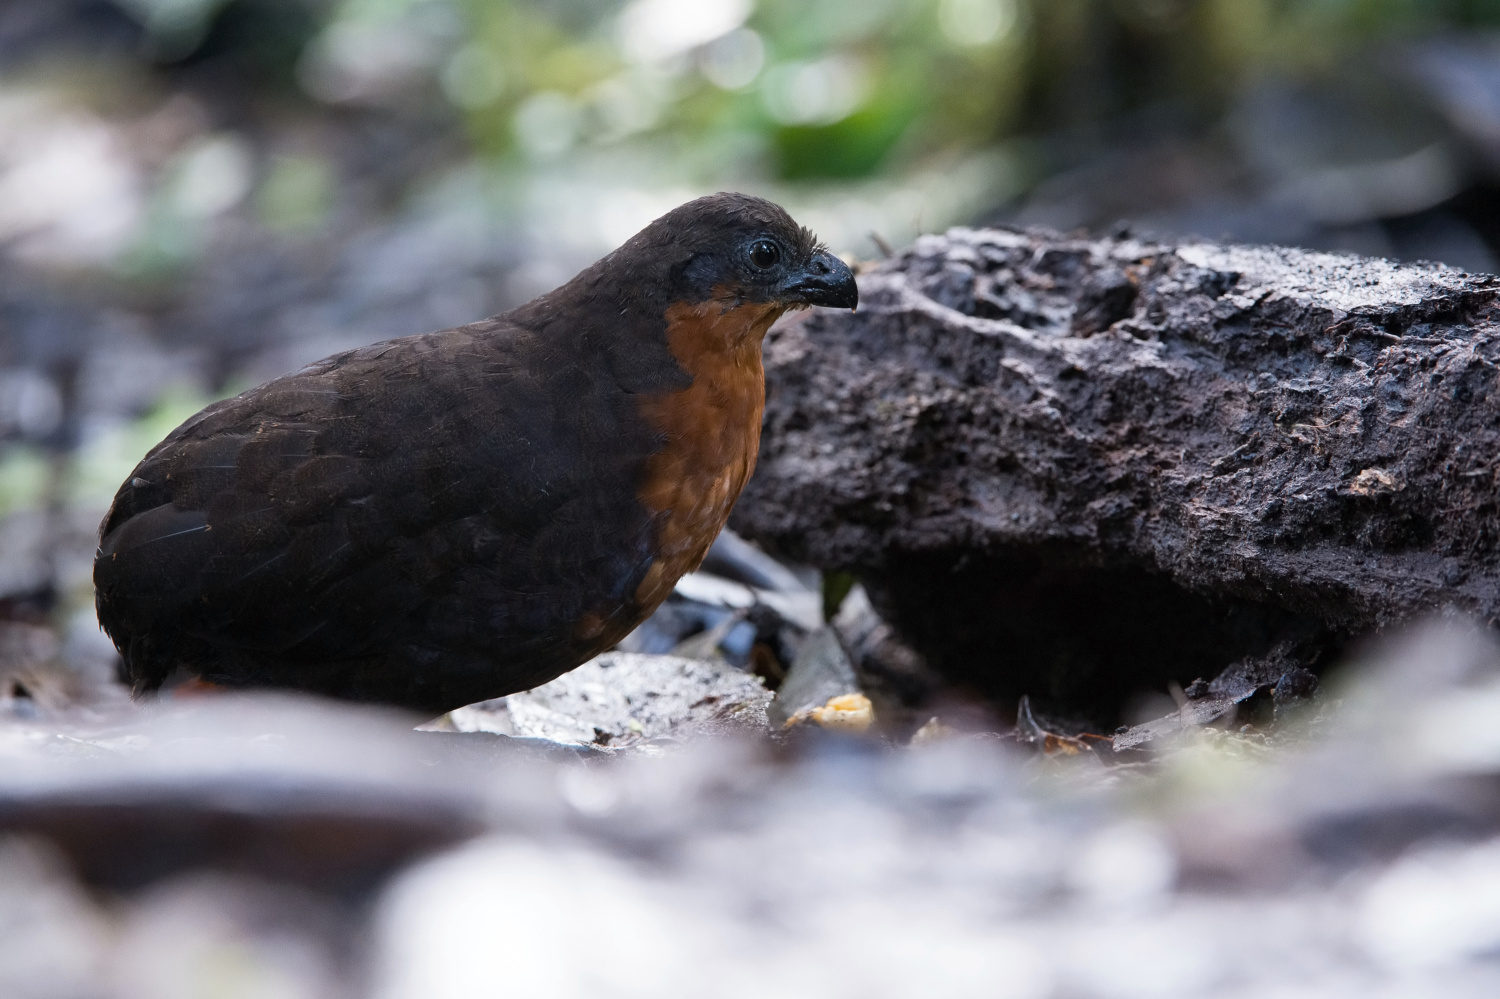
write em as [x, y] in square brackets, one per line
[826, 280]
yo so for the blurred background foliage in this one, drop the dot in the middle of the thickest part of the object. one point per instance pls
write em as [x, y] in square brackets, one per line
[295, 117]
[892, 115]
[196, 195]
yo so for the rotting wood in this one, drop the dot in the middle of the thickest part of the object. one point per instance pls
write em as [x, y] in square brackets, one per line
[1079, 469]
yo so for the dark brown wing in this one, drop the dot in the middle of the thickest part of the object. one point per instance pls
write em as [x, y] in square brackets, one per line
[424, 521]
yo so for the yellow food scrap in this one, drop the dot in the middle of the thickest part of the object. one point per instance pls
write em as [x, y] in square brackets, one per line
[844, 713]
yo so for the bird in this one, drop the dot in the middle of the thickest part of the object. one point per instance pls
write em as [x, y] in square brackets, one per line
[441, 519]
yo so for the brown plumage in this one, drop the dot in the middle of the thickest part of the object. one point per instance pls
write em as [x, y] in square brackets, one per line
[450, 517]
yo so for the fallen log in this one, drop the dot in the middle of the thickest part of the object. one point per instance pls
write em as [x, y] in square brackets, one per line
[1082, 468]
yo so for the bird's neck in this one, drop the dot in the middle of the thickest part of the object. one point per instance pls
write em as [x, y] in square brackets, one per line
[711, 432]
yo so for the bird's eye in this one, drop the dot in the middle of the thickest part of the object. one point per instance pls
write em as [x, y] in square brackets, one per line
[764, 254]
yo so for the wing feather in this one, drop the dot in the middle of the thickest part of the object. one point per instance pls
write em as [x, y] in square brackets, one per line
[434, 496]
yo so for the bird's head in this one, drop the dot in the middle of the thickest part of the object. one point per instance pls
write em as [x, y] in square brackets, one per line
[699, 286]
[745, 249]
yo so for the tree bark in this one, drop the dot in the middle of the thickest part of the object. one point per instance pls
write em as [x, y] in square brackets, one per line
[1078, 469]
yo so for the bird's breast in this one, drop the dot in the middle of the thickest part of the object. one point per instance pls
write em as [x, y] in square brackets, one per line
[711, 433]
